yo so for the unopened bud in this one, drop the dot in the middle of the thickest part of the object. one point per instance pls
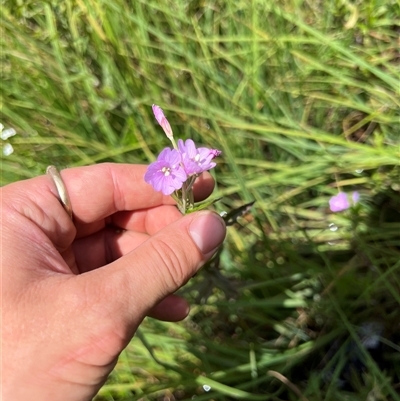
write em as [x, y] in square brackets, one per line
[160, 117]
[215, 153]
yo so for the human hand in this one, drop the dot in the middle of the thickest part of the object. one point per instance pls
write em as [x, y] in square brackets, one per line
[74, 293]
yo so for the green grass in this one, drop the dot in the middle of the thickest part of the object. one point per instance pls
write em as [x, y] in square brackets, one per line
[303, 100]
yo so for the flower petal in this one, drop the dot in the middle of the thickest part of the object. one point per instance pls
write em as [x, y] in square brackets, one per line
[339, 202]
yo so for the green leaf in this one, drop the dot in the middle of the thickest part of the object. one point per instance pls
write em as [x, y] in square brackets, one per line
[202, 205]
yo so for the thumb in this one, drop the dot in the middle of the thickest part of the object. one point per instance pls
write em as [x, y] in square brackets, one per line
[162, 264]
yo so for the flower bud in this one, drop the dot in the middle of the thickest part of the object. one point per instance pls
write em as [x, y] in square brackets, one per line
[160, 117]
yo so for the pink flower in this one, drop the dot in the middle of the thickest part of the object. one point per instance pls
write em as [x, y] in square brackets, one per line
[173, 167]
[166, 174]
[356, 197]
[195, 160]
[341, 201]
[160, 117]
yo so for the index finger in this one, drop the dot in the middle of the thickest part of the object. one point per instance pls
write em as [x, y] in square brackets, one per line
[101, 190]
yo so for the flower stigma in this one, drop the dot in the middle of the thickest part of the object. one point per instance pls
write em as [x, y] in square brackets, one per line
[166, 171]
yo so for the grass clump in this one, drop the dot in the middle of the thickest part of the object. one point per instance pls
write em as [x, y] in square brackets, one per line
[303, 100]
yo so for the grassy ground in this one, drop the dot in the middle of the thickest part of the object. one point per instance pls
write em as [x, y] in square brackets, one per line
[303, 100]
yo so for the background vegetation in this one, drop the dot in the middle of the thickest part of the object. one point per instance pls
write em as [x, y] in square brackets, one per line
[303, 99]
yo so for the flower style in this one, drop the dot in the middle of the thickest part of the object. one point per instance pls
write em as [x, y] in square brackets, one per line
[196, 160]
[162, 120]
[341, 201]
[166, 175]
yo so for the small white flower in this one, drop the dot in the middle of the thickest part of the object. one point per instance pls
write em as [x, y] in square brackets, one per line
[7, 149]
[4, 135]
[7, 133]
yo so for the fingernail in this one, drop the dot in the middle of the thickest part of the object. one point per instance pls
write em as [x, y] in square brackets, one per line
[207, 231]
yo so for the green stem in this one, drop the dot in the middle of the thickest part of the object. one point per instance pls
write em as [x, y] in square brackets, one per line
[189, 190]
[175, 146]
[184, 199]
